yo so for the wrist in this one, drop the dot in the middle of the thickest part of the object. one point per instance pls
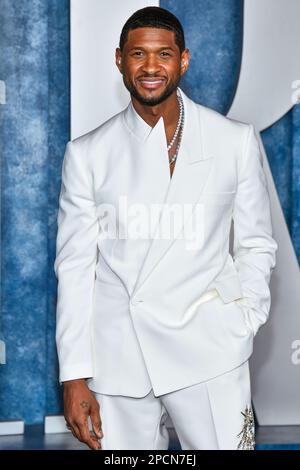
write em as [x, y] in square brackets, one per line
[72, 382]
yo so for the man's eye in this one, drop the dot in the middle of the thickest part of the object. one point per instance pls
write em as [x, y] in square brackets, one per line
[165, 53]
[138, 53]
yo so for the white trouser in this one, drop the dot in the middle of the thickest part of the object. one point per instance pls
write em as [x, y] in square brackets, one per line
[207, 415]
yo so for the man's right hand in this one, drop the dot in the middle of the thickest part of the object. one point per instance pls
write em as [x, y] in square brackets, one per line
[79, 403]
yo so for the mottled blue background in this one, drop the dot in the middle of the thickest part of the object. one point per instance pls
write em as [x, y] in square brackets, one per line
[213, 33]
[34, 130]
[282, 144]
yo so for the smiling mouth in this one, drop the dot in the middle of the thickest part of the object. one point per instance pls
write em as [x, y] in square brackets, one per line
[151, 83]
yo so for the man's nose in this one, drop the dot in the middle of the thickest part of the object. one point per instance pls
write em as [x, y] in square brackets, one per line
[151, 64]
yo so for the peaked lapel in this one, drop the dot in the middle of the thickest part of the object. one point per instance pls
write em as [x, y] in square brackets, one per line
[190, 174]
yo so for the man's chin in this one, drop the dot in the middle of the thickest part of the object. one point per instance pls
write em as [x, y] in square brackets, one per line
[150, 98]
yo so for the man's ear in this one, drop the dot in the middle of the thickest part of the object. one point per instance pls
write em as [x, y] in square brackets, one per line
[185, 60]
[119, 59]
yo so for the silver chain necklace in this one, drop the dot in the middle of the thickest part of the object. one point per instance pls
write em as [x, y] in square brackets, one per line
[178, 128]
[179, 120]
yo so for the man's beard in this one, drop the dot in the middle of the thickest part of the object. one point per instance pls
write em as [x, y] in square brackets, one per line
[170, 88]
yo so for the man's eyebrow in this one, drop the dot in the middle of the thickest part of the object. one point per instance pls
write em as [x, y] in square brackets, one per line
[163, 48]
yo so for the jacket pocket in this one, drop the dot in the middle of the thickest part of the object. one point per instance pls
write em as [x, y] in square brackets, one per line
[229, 288]
[244, 311]
[230, 317]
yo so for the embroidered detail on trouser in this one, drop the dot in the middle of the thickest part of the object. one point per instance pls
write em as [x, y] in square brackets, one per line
[247, 441]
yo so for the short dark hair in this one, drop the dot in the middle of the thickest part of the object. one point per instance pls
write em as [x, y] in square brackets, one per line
[154, 17]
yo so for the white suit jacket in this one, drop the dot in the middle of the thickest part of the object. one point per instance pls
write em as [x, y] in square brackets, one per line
[125, 316]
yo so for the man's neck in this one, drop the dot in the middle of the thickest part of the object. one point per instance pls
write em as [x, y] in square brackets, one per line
[168, 109]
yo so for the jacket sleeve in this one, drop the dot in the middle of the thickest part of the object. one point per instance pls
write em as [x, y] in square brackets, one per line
[254, 247]
[74, 266]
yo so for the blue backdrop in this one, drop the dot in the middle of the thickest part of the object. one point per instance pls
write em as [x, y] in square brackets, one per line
[34, 130]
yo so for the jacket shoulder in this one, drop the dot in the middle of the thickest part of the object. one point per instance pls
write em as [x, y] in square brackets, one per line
[100, 131]
[220, 119]
[84, 147]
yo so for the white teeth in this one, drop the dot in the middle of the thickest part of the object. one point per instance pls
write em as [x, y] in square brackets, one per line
[151, 83]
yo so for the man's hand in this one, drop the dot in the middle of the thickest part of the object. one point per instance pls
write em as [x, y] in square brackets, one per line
[79, 403]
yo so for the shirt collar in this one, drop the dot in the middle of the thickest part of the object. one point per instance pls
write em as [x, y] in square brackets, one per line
[136, 123]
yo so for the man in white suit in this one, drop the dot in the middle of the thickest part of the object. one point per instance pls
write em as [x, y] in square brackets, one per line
[155, 317]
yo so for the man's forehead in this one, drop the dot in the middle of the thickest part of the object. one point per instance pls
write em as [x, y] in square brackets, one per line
[149, 35]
